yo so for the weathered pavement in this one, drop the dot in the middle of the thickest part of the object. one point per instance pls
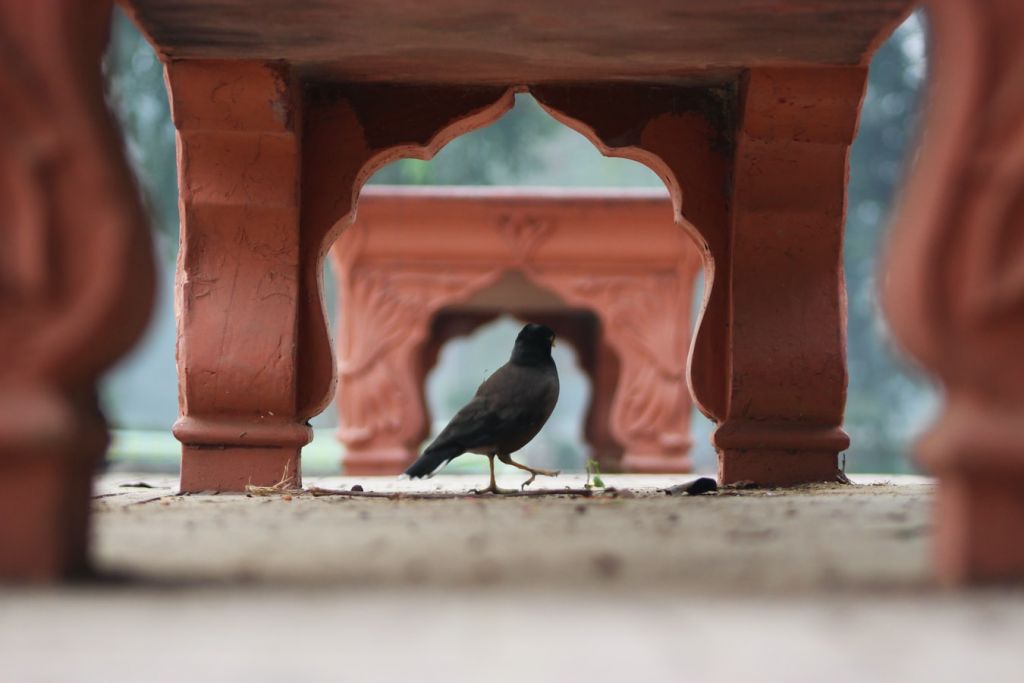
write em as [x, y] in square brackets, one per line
[807, 585]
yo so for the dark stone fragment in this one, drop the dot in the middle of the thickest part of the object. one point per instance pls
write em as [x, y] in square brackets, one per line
[697, 487]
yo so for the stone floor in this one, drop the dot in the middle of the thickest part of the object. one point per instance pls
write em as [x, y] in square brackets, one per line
[806, 585]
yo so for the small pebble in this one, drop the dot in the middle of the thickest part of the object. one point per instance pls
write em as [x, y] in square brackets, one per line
[356, 487]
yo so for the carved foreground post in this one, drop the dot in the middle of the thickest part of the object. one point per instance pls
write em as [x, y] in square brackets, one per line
[955, 284]
[76, 278]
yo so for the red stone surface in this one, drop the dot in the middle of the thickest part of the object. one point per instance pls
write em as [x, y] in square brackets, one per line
[76, 278]
[415, 252]
[529, 41]
[268, 174]
[238, 286]
[953, 287]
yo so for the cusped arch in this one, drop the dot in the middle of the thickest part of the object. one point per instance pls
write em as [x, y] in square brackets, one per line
[349, 133]
[682, 135]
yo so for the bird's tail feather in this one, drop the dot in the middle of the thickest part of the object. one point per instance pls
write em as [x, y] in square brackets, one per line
[433, 459]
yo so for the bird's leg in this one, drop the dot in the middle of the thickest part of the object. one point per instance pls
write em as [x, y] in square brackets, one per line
[507, 459]
[493, 488]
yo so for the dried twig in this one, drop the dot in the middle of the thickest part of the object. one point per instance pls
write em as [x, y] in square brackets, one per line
[285, 485]
[317, 492]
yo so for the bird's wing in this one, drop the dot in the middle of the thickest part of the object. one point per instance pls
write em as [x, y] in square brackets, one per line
[471, 426]
[504, 400]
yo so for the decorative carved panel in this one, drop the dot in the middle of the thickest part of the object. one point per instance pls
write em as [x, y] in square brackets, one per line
[412, 253]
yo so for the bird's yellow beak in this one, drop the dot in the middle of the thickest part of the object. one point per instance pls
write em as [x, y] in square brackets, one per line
[553, 343]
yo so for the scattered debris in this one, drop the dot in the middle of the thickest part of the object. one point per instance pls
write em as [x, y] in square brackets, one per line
[147, 500]
[285, 485]
[317, 492]
[697, 487]
[136, 485]
[742, 485]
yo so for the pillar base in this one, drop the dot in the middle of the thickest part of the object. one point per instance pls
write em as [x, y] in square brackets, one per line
[636, 463]
[979, 522]
[44, 510]
[777, 468]
[232, 468]
[384, 461]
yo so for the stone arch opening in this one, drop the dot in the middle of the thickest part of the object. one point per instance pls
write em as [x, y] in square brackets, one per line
[646, 423]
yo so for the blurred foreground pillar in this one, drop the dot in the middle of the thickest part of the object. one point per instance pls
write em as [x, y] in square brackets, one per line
[954, 284]
[76, 278]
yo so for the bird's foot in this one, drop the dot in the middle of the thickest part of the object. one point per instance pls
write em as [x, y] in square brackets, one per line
[493, 488]
[534, 473]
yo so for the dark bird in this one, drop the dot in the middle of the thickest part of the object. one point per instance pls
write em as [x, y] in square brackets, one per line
[507, 411]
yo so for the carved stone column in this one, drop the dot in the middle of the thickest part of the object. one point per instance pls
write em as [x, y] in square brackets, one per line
[239, 274]
[76, 278]
[954, 284]
[787, 388]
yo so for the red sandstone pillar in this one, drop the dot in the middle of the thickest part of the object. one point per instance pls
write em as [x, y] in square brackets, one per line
[953, 285]
[767, 362]
[76, 278]
[787, 349]
[239, 274]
